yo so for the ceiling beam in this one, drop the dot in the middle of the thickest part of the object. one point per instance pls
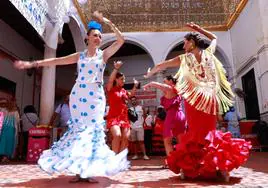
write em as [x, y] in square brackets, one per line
[237, 12]
[80, 13]
[224, 27]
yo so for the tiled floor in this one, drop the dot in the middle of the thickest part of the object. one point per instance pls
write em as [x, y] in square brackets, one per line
[142, 174]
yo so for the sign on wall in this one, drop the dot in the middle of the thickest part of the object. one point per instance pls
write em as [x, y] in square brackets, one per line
[147, 98]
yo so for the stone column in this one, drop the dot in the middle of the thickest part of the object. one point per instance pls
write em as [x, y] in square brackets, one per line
[47, 88]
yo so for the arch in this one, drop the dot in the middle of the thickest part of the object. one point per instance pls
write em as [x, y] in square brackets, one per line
[77, 34]
[137, 65]
[66, 45]
[131, 40]
[171, 47]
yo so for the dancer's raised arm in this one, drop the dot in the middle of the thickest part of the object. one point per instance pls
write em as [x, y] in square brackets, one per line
[117, 65]
[208, 34]
[111, 50]
[201, 30]
[70, 59]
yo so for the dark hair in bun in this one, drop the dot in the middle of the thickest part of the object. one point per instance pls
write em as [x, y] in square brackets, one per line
[199, 42]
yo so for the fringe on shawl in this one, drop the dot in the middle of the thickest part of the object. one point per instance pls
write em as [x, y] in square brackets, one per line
[209, 98]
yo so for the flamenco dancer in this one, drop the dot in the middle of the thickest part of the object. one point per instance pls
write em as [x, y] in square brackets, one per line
[82, 149]
[175, 123]
[203, 151]
[117, 118]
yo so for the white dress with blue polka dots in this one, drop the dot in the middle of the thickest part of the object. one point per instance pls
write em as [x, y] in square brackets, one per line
[82, 149]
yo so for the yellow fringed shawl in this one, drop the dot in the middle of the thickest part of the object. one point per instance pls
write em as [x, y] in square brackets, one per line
[204, 84]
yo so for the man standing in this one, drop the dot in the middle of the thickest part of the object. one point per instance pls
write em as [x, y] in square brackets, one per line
[64, 114]
[137, 131]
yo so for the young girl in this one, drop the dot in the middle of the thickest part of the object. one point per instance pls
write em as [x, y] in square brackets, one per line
[174, 124]
[117, 118]
[157, 138]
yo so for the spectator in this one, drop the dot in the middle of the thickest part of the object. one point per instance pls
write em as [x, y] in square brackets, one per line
[137, 131]
[10, 130]
[64, 114]
[157, 139]
[29, 120]
[148, 131]
[232, 119]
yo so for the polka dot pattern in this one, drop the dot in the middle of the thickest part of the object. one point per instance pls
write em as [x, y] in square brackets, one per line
[85, 136]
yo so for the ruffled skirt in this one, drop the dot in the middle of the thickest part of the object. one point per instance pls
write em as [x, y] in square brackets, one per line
[120, 120]
[220, 152]
[203, 151]
[82, 149]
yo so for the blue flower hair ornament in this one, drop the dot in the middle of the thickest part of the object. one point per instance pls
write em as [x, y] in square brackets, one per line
[94, 25]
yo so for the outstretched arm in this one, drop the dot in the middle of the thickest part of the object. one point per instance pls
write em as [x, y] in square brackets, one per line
[175, 62]
[117, 65]
[111, 50]
[163, 87]
[70, 59]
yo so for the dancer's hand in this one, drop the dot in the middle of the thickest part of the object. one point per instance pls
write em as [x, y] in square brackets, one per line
[136, 82]
[193, 26]
[118, 64]
[149, 73]
[147, 86]
[23, 64]
[98, 16]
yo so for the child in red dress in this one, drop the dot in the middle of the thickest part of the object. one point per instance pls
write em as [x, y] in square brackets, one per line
[117, 118]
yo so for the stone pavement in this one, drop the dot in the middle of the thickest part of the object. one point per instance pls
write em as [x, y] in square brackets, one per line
[142, 174]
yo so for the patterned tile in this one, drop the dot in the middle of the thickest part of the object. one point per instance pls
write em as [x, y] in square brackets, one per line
[142, 174]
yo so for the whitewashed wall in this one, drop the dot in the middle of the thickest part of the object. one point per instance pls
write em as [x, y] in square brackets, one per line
[15, 45]
[249, 41]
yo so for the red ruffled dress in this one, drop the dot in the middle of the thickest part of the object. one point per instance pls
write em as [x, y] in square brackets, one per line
[157, 138]
[118, 111]
[203, 151]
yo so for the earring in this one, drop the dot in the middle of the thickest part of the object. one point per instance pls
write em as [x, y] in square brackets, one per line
[192, 46]
[86, 41]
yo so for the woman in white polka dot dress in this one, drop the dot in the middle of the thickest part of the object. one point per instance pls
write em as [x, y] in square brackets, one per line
[82, 149]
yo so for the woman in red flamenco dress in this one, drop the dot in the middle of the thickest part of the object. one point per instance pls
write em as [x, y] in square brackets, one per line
[117, 118]
[203, 151]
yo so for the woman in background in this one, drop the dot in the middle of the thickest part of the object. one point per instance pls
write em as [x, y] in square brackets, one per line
[29, 120]
[117, 118]
[10, 130]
